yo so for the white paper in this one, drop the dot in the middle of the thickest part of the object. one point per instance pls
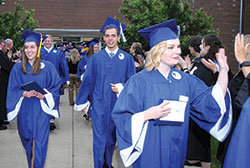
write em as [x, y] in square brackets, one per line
[177, 111]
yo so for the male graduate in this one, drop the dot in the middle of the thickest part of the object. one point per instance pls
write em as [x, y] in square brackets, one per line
[57, 58]
[106, 71]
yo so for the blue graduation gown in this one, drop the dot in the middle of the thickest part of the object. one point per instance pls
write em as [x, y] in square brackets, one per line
[238, 152]
[100, 72]
[82, 66]
[57, 58]
[33, 115]
[163, 146]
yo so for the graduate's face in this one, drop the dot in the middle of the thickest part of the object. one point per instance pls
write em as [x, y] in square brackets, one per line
[48, 42]
[96, 48]
[30, 50]
[171, 54]
[111, 38]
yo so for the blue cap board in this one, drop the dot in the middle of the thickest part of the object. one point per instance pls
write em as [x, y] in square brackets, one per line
[92, 42]
[112, 23]
[160, 32]
[30, 36]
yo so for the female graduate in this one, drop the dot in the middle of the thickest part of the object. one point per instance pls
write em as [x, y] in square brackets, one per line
[152, 113]
[32, 108]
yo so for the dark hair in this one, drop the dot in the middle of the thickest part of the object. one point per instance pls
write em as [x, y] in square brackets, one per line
[195, 42]
[215, 44]
[107, 28]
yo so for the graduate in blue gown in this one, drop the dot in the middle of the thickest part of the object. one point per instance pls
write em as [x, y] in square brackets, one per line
[238, 152]
[107, 70]
[33, 109]
[57, 58]
[152, 112]
[93, 47]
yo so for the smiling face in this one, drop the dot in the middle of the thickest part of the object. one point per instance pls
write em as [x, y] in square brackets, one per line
[171, 54]
[30, 50]
[48, 42]
[96, 48]
[111, 38]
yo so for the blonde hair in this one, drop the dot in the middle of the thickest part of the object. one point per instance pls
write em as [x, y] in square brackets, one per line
[74, 56]
[246, 41]
[154, 55]
[36, 65]
[50, 37]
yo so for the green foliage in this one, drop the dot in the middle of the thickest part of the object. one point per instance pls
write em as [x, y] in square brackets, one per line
[13, 24]
[144, 13]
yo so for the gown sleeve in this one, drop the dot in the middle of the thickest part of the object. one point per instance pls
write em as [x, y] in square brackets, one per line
[86, 87]
[81, 66]
[212, 111]
[50, 104]
[14, 93]
[64, 67]
[128, 117]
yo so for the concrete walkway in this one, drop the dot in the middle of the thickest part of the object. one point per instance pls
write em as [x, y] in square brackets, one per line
[70, 145]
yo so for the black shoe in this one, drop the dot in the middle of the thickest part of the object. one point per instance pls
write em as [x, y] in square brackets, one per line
[52, 126]
[86, 116]
[2, 127]
[5, 123]
[198, 164]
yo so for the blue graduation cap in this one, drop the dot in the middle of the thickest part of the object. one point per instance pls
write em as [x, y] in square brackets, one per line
[160, 32]
[112, 23]
[30, 36]
[92, 42]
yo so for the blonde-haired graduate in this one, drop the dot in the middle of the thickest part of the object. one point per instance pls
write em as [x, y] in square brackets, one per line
[153, 110]
[32, 97]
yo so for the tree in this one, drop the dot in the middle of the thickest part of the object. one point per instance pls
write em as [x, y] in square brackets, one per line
[145, 13]
[13, 24]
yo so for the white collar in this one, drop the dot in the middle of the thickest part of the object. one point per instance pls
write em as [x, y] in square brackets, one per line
[114, 52]
[48, 50]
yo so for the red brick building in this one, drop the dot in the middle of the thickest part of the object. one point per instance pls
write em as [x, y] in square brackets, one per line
[77, 20]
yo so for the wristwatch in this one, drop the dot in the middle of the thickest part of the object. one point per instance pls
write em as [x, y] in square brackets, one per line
[245, 63]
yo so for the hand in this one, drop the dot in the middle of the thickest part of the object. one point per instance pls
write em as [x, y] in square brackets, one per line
[40, 95]
[222, 60]
[240, 49]
[9, 54]
[183, 63]
[156, 112]
[29, 94]
[209, 64]
[84, 110]
[114, 88]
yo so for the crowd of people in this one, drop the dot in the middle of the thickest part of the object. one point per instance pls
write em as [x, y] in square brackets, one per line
[159, 108]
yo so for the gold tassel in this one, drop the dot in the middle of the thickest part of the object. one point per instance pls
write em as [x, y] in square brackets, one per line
[39, 49]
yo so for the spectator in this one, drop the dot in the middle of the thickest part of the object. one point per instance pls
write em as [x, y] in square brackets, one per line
[75, 82]
[136, 52]
[5, 67]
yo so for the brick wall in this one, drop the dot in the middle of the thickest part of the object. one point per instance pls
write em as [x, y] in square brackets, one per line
[73, 14]
[80, 14]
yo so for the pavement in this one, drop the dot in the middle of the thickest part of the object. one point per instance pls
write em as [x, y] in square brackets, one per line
[70, 144]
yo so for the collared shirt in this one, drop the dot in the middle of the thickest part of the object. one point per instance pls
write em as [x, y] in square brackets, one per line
[108, 51]
[48, 50]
